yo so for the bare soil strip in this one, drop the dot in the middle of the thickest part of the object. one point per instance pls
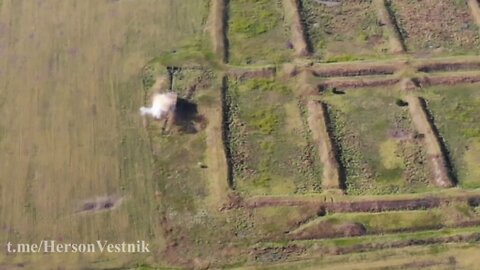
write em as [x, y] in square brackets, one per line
[318, 123]
[326, 229]
[216, 160]
[396, 45]
[435, 156]
[475, 9]
[365, 68]
[218, 28]
[292, 13]
[366, 205]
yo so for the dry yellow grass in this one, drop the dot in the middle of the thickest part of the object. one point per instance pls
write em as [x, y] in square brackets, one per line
[70, 92]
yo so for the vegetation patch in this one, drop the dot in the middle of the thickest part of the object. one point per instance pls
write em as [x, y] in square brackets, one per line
[257, 32]
[344, 32]
[457, 113]
[441, 26]
[271, 152]
[379, 151]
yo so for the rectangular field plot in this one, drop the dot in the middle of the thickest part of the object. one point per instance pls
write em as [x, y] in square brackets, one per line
[439, 26]
[377, 143]
[456, 112]
[257, 32]
[270, 145]
[344, 31]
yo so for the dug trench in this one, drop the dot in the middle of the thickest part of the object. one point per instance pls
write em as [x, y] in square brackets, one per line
[426, 202]
[353, 70]
[358, 83]
[438, 158]
[298, 249]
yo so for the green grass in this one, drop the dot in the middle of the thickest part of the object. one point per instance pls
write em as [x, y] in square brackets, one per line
[457, 113]
[257, 32]
[346, 32]
[376, 162]
[269, 142]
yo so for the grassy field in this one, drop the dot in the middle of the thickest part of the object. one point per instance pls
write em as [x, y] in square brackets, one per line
[379, 151]
[438, 26]
[456, 111]
[344, 32]
[271, 148]
[257, 32]
[70, 131]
